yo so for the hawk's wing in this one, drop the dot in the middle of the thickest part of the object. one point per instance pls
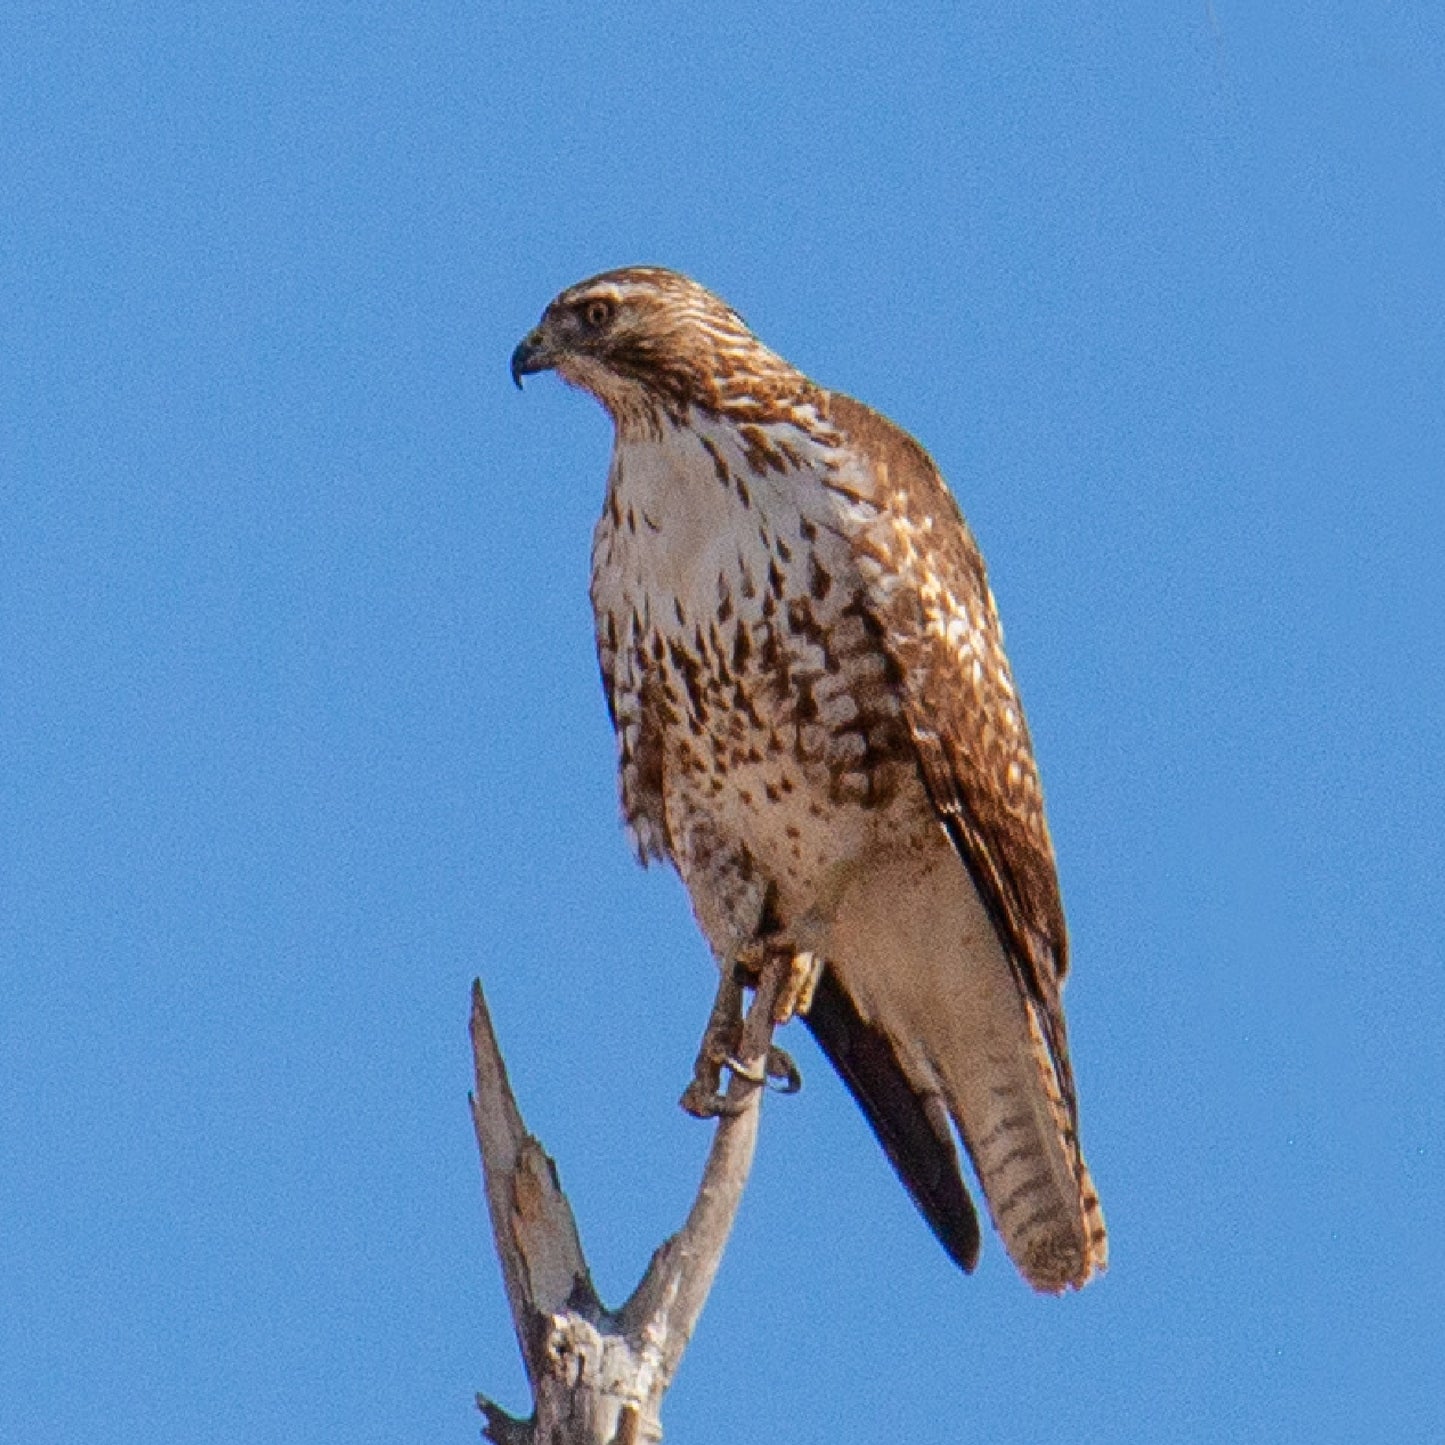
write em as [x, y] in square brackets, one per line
[930, 598]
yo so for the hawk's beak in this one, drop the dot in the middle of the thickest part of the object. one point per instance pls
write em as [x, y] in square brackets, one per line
[531, 355]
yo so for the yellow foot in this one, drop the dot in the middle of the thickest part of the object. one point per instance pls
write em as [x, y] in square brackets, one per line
[796, 995]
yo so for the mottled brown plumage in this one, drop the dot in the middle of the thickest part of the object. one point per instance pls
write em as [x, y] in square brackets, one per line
[817, 725]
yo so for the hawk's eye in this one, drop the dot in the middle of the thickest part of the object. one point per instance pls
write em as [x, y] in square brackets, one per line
[597, 312]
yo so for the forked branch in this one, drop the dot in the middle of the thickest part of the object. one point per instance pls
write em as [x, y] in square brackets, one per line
[598, 1375]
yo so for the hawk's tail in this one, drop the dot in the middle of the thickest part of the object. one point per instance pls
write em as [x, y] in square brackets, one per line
[925, 1020]
[1024, 1145]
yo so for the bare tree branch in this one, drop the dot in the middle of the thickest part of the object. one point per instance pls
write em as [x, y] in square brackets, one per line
[598, 1376]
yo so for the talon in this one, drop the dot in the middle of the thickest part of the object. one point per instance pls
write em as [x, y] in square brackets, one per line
[782, 1071]
[752, 1076]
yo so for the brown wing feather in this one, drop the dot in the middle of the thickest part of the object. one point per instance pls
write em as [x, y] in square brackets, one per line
[941, 628]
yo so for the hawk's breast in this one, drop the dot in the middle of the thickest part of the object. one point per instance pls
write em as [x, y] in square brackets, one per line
[760, 730]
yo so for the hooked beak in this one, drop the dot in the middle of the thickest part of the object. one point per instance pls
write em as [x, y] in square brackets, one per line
[531, 355]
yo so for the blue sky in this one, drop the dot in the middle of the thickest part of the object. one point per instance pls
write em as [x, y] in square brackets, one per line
[300, 726]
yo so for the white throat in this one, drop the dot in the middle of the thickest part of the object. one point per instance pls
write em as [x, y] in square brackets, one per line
[692, 506]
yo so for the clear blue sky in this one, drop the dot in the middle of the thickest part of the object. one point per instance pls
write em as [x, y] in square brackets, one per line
[300, 726]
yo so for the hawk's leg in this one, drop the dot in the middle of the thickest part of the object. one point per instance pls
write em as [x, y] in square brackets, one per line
[703, 1098]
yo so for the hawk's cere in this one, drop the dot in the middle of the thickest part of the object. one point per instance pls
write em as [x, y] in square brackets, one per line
[818, 727]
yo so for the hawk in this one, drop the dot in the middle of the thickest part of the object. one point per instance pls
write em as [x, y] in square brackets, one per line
[817, 726]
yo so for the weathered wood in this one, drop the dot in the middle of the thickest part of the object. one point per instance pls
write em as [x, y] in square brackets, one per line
[598, 1376]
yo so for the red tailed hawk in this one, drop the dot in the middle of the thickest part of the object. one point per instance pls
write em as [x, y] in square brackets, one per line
[817, 726]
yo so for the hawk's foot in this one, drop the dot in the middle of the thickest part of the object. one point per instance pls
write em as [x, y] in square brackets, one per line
[779, 1069]
[703, 1098]
[704, 1101]
[796, 995]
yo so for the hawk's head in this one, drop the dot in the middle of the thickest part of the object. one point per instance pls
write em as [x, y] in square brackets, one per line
[645, 340]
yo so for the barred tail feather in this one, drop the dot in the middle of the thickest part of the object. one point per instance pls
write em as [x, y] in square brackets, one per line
[1025, 1149]
[918, 959]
